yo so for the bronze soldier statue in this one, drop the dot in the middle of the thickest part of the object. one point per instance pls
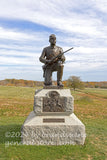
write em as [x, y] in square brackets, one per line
[48, 54]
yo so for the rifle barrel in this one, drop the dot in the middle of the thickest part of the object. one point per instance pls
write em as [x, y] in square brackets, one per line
[67, 50]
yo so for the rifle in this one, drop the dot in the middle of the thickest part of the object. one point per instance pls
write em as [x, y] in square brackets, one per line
[53, 60]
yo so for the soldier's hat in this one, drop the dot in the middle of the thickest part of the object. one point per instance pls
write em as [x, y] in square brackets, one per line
[52, 36]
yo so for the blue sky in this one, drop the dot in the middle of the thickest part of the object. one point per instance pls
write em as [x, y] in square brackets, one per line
[25, 27]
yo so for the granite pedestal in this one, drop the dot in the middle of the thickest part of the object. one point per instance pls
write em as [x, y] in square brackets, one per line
[52, 121]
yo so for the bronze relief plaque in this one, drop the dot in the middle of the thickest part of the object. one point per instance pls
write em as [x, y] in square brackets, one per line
[53, 103]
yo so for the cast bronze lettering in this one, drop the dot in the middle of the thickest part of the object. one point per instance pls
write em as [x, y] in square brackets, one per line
[53, 120]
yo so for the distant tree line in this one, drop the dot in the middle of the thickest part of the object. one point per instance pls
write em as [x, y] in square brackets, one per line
[102, 84]
[75, 82]
[72, 82]
[20, 82]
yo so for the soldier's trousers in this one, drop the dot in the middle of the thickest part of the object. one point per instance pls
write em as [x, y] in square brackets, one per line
[51, 68]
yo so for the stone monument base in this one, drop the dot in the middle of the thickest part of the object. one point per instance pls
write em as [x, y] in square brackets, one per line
[53, 130]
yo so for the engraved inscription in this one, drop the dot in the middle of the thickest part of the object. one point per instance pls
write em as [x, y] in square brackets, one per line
[53, 103]
[53, 120]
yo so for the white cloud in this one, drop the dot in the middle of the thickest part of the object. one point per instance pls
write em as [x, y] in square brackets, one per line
[101, 5]
[86, 59]
[20, 36]
[60, 15]
[5, 49]
[78, 23]
[4, 60]
[10, 34]
[23, 72]
[4, 52]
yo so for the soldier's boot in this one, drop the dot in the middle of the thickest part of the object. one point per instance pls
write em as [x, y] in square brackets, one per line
[59, 76]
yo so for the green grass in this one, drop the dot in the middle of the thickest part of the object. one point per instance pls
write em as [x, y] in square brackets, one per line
[90, 107]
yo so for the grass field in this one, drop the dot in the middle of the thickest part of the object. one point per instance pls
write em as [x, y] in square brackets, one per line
[90, 107]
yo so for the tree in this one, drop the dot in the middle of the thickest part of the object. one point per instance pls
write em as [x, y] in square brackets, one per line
[75, 82]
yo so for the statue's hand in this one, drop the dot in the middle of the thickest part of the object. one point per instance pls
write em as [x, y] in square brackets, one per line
[61, 59]
[48, 61]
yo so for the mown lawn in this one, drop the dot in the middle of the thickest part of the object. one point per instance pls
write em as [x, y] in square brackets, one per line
[90, 107]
